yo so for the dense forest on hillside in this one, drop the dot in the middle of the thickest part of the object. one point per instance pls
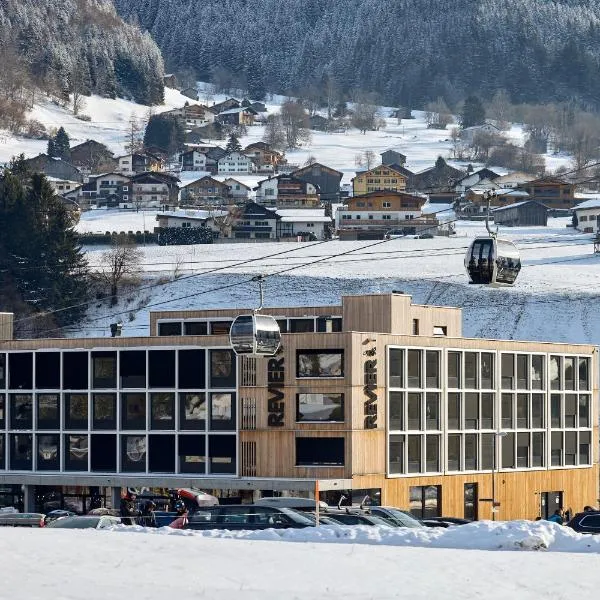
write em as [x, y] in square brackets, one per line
[82, 46]
[408, 51]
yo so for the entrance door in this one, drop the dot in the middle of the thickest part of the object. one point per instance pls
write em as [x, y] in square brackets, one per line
[471, 501]
[550, 502]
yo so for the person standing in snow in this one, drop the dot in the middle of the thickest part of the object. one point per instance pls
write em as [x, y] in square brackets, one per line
[128, 510]
[556, 517]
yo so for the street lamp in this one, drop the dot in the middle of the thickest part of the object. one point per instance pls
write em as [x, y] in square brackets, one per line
[498, 434]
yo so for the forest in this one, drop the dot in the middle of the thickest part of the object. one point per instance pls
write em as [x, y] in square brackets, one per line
[406, 51]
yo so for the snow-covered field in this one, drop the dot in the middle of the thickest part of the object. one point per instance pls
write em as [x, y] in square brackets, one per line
[361, 563]
[555, 298]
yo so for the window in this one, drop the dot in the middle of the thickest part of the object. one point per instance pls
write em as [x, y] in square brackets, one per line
[432, 453]
[47, 370]
[329, 324]
[191, 369]
[48, 452]
[570, 410]
[425, 501]
[570, 448]
[414, 453]
[76, 452]
[220, 327]
[222, 411]
[161, 368]
[454, 410]
[556, 446]
[471, 500]
[522, 411]
[386, 217]
[585, 438]
[75, 371]
[583, 374]
[396, 408]
[396, 454]
[507, 411]
[320, 363]
[387, 205]
[432, 410]
[195, 328]
[161, 453]
[103, 453]
[487, 411]
[162, 410]
[537, 450]
[508, 371]
[104, 370]
[471, 410]
[48, 411]
[537, 411]
[470, 452]
[133, 411]
[471, 370]
[569, 373]
[508, 451]
[319, 452]
[454, 452]
[21, 451]
[454, 369]
[522, 371]
[21, 411]
[414, 368]
[302, 325]
[396, 367]
[555, 372]
[432, 369]
[133, 368]
[415, 327]
[487, 451]
[2, 370]
[414, 411]
[104, 415]
[584, 411]
[522, 450]
[222, 453]
[555, 410]
[440, 330]
[133, 453]
[321, 407]
[222, 369]
[20, 371]
[537, 372]
[192, 453]
[76, 411]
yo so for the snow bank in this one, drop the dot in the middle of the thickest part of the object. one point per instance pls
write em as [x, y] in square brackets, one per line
[482, 535]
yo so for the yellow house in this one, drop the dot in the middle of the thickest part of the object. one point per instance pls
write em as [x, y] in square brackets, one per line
[380, 178]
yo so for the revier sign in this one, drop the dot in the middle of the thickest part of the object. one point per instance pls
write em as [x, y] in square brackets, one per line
[370, 389]
[276, 400]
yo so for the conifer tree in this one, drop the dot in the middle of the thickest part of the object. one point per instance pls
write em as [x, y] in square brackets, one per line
[473, 113]
[233, 144]
[62, 147]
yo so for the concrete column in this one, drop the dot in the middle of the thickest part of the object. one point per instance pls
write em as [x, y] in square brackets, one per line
[116, 497]
[28, 498]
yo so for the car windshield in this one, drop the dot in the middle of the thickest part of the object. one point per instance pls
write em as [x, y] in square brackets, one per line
[75, 523]
[406, 519]
[296, 515]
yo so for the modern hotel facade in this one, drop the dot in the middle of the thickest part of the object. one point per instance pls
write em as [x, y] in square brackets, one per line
[377, 397]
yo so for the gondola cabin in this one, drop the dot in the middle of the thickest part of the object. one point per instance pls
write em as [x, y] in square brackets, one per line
[255, 335]
[492, 261]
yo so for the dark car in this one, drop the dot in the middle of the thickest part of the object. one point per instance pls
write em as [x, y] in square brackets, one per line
[8, 519]
[395, 516]
[356, 517]
[86, 522]
[58, 514]
[246, 516]
[586, 522]
[444, 521]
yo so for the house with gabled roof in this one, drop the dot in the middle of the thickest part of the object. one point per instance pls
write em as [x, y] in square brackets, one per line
[552, 191]
[381, 177]
[204, 191]
[326, 179]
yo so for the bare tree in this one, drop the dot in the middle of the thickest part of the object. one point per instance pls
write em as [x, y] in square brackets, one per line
[295, 124]
[364, 117]
[366, 159]
[500, 109]
[311, 160]
[121, 261]
[135, 135]
[208, 93]
[274, 135]
[437, 114]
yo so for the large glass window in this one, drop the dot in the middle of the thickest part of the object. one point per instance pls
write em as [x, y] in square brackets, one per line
[76, 411]
[585, 440]
[471, 370]
[192, 453]
[191, 370]
[584, 382]
[396, 408]
[222, 369]
[414, 411]
[508, 371]
[192, 411]
[21, 451]
[47, 370]
[222, 411]
[425, 501]
[48, 411]
[195, 328]
[522, 450]
[161, 368]
[161, 453]
[507, 411]
[20, 371]
[454, 452]
[432, 410]
[319, 452]
[432, 368]
[104, 453]
[75, 371]
[487, 371]
[222, 452]
[48, 452]
[220, 327]
[396, 454]
[414, 453]
[555, 410]
[570, 410]
[321, 407]
[522, 411]
[487, 451]
[570, 448]
[396, 367]
[584, 410]
[414, 369]
[569, 373]
[508, 451]
[162, 410]
[454, 410]
[133, 453]
[2, 412]
[2, 370]
[132, 365]
[470, 452]
[133, 410]
[556, 448]
[487, 410]
[432, 453]
[454, 369]
[471, 410]
[537, 372]
[76, 452]
[104, 411]
[522, 371]
[104, 370]
[172, 328]
[319, 363]
[555, 372]
[21, 411]
[302, 325]
[537, 450]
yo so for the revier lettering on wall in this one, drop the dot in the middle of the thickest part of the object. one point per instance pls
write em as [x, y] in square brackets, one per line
[371, 392]
[276, 400]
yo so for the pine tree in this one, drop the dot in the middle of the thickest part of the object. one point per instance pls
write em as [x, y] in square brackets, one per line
[164, 133]
[59, 145]
[473, 113]
[233, 144]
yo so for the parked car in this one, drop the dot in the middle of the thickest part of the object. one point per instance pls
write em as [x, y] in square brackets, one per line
[302, 504]
[424, 236]
[85, 522]
[586, 522]
[22, 519]
[58, 514]
[394, 234]
[444, 521]
[395, 516]
[356, 517]
[246, 516]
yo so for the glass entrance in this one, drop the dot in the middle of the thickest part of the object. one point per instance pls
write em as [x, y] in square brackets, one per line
[471, 501]
[549, 503]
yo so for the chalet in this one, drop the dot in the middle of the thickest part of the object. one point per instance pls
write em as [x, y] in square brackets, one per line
[237, 116]
[587, 216]
[190, 92]
[225, 105]
[72, 208]
[170, 81]
[138, 163]
[513, 180]
[92, 157]
[318, 123]
[439, 177]
[107, 190]
[521, 214]
[326, 179]
[469, 134]
[379, 178]
[54, 167]
[192, 160]
[213, 156]
[392, 157]
[471, 179]
[264, 157]
[193, 115]
[259, 107]
[475, 199]
[285, 191]
[255, 222]
[235, 163]
[212, 131]
[237, 189]
[188, 219]
[383, 211]
[553, 192]
[204, 191]
[153, 190]
[62, 186]
[300, 221]
[443, 197]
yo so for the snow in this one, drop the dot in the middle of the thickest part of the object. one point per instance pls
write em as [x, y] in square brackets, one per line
[524, 560]
[592, 203]
[101, 220]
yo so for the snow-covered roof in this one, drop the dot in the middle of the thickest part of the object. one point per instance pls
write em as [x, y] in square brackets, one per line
[301, 212]
[514, 205]
[233, 111]
[592, 203]
[195, 215]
